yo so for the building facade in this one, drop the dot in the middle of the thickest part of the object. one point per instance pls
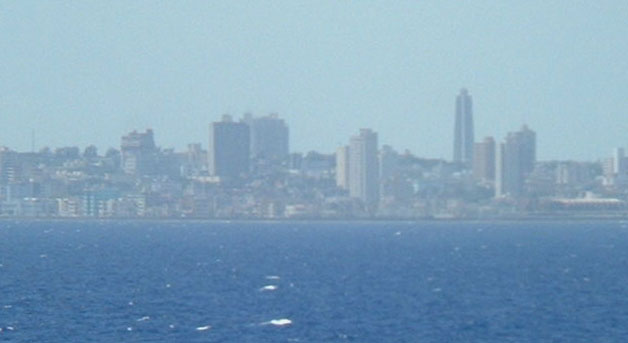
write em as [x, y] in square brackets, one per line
[484, 160]
[463, 129]
[270, 137]
[139, 153]
[515, 160]
[228, 152]
[364, 168]
[342, 167]
[527, 141]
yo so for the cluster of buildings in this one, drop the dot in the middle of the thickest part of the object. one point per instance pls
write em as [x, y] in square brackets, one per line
[248, 171]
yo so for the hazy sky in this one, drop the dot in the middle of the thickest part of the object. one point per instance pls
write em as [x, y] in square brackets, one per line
[81, 72]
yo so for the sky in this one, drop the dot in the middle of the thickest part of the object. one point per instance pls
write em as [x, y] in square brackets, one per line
[87, 72]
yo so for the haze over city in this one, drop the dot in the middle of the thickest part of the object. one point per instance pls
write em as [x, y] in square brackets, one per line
[326, 67]
[313, 171]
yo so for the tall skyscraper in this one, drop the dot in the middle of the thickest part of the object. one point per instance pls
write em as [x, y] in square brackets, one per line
[364, 168]
[229, 148]
[508, 174]
[484, 160]
[463, 129]
[139, 153]
[616, 169]
[342, 167]
[269, 137]
[527, 140]
[516, 158]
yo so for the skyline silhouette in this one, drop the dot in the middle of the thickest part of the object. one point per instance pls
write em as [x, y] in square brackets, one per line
[86, 72]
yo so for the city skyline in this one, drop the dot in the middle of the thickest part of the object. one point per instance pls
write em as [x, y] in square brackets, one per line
[269, 139]
[328, 67]
[267, 123]
[464, 136]
[248, 171]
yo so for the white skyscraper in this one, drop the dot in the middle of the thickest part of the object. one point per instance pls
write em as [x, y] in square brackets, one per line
[342, 167]
[508, 172]
[364, 168]
[484, 160]
[463, 130]
[616, 169]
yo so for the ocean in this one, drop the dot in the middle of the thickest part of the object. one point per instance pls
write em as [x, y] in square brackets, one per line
[151, 281]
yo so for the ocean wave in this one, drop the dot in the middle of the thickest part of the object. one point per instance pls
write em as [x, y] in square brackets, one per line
[278, 322]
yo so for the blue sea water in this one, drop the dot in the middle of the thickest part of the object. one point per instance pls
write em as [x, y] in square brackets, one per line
[313, 282]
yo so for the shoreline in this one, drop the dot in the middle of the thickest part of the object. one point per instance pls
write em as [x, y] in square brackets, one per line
[551, 218]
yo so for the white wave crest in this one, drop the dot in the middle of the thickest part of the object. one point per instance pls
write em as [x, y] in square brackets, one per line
[278, 322]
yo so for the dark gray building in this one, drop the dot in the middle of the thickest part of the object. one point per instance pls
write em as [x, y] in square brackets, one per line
[269, 137]
[527, 139]
[515, 160]
[463, 129]
[228, 152]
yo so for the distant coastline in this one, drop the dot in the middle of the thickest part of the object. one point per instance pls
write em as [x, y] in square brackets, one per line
[529, 218]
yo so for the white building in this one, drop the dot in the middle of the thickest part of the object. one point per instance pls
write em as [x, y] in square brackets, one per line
[342, 167]
[364, 168]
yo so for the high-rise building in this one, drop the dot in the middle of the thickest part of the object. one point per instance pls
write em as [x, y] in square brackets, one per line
[8, 165]
[484, 160]
[139, 153]
[269, 137]
[196, 157]
[515, 160]
[508, 176]
[616, 169]
[463, 129]
[364, 168]
[228, 152]
[527, 140]
[342, 167]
